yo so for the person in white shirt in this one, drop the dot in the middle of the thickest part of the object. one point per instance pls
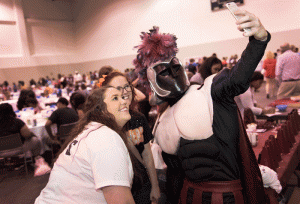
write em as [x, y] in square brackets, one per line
[246, 100]
[77, 78]
[94, 165]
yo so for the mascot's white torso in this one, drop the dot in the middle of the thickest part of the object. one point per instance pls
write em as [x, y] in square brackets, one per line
[190, 118]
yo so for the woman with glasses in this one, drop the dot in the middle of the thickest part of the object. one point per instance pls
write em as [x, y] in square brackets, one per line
[139, 135]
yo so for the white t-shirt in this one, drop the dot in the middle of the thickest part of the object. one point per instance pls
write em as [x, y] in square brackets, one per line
[245, 100]
[90, 162]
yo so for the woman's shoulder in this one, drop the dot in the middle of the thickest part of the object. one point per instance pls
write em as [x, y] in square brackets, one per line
[98, 132]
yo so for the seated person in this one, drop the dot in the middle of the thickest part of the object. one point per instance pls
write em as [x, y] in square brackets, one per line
[24, 95]
[10, 124]
[83, 90]
[77, 100]
[48, 90]
[245, 100]
[63, 115]
[32, 102]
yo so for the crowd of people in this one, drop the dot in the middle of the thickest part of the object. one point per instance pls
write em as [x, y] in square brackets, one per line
[107, 157]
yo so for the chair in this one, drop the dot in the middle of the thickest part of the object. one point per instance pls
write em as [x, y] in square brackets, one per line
[291, 132]
[64, 131]
[265, 157]
[282, 141]
[12, 145]
[287, 135]
[275, 150]
[248, 117]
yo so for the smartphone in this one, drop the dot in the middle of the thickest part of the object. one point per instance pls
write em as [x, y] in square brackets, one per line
[232, 7]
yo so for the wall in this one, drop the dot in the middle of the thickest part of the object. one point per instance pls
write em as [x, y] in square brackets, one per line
[40, 37]
[35, 33]
[112, 29]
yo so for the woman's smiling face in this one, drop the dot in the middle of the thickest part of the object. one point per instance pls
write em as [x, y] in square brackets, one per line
[118, 105]
[121, 84]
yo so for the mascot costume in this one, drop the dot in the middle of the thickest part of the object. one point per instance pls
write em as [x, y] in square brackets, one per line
[205, 147]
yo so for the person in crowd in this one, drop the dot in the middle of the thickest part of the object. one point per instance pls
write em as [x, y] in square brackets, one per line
[139, 134]
[232, 61]
[33, 103]
[288, 72]
[141, 84]
[83, 90]
[32, 82]
[83, 78]
[22, 85]
[192, 66]
[269, 65]
[77, 78]
[107, 69]
[15, 87]
[10, 124]
[70, 79]
[95, 165]
[76, 88]
[246, 100]
[199, 132]
[48, 90]
[211, 65]
[63, 115]
[6, 90]
[58, 90]
[103, 72]
[70, 88]
[63, 81]
[27, 98]
[189, 74]
[77, 100]
[224, 62]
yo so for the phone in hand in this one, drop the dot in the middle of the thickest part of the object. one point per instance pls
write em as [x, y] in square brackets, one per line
[232, 7]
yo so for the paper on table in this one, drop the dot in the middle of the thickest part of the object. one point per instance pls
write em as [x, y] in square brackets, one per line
[276, 113]
[261, 130]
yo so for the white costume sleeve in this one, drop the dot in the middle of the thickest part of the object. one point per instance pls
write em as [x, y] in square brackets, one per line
[270, 178]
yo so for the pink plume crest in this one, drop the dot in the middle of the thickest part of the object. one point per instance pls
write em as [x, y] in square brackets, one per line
[154, 47]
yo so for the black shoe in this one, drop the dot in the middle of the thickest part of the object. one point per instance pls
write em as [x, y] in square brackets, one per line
[268, 96]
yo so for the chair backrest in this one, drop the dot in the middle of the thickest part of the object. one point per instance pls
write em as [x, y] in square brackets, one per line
[64, 130]
[249, 116]
[11, 145]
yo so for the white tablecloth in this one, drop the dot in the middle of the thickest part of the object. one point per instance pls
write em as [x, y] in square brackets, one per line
[13, 103]
[41, 133]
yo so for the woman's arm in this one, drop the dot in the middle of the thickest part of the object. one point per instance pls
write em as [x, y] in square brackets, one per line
[149, 164]
[117, 194]
[139, 96]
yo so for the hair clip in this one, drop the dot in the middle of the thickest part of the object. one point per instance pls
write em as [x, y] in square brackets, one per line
[101, 80]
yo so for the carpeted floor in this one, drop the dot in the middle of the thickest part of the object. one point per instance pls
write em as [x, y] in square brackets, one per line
[18, 188]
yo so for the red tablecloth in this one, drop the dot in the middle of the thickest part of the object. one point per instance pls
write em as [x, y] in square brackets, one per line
[284, 101]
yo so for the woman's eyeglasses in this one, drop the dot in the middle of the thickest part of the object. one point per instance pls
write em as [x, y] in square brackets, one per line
[127, 88]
